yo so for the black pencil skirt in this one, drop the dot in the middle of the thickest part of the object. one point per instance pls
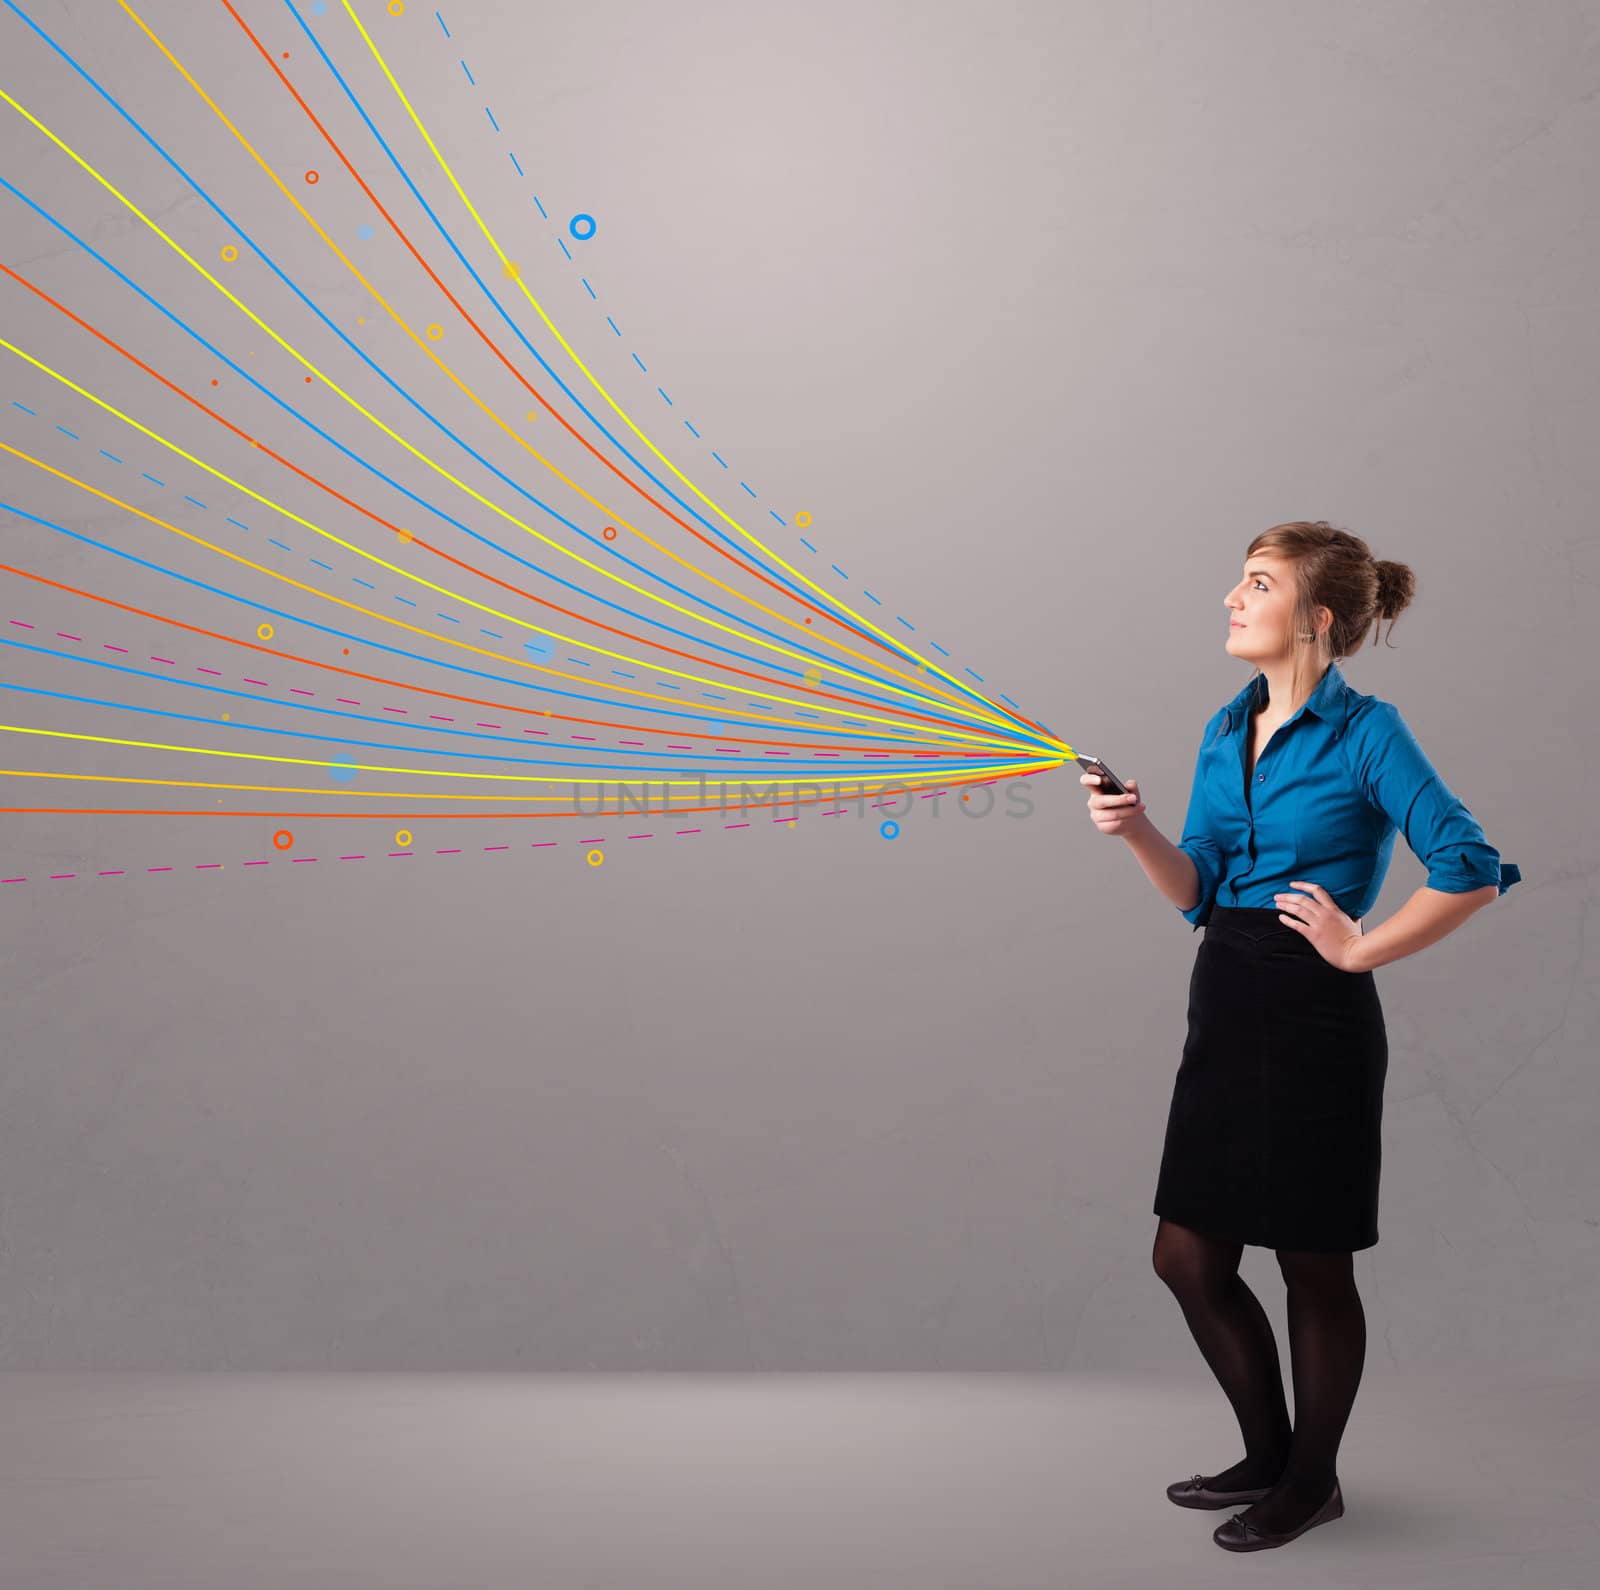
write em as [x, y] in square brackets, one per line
[1273, 1137]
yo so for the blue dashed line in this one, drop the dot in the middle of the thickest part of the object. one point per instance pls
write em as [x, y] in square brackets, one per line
[542, 211]
[406, 599]
[195, 500]
[153, 479]
[277, 543]
[440, 20]
[470, 78]
[870, 597]
[772, 511]
[564, 249]
[609, 321]
[447, 618]
[587, 288]
[65, 432]
[975, 674]
[580, 661]
[623, 675]
[359, 581]
[35, 413]
[1009, 702]
[638, 361]
[514, 161]
[906, 621]
[719, 458]
[321, 565]
[938, 648]
[669, 400]
[112, 456]
[692, 431]
[492, 122]
[747, 488]
[807, 545]
[492, 634]
[837, 570]
[237, 522]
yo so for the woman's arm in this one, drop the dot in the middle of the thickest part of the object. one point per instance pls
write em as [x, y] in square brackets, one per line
[1423, 920]
[1171, 870]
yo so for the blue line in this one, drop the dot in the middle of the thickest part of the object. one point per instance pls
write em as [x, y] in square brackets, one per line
[317, 45]
[399, 651]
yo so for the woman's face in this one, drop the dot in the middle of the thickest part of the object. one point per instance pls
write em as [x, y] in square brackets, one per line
[1260, 609]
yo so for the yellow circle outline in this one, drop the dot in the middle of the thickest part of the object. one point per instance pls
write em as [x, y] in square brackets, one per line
[596, 857]
[403, 838]
[264, 632]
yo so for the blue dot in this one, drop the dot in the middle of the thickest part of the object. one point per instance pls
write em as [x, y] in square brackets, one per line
[572, 227]
[364, 233]
[318, 7]
[342, 770]
[890, 830]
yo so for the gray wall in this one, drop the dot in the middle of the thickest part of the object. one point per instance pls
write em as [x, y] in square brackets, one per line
[1043, 311]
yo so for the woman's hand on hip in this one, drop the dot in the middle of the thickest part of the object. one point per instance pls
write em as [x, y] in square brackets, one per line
[1335, 936]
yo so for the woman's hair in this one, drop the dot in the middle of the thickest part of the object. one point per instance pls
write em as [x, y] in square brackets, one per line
[1334, 569]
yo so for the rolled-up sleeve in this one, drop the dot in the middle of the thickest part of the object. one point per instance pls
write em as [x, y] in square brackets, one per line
[1198, 842]
[1442, 833]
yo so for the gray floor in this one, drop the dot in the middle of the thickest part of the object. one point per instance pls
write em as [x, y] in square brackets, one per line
[832, 1482]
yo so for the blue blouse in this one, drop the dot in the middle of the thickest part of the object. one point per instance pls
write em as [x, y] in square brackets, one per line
[1334, 784]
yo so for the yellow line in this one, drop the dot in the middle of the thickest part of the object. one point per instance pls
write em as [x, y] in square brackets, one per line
[908, 781]
[919, 691]
[477, 496]
[383, 618]
[505, 260]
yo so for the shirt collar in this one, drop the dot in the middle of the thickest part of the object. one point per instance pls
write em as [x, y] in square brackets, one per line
[1330, 701]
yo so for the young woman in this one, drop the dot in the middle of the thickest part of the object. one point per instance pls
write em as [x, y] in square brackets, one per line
[1272, 1139]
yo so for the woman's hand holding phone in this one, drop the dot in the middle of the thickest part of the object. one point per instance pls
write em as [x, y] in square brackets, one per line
[1113, 814]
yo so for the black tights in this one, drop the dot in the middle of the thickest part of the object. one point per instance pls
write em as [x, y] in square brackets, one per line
[1327, 1343]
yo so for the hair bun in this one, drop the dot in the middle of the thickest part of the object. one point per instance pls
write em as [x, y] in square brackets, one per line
[1396, 586]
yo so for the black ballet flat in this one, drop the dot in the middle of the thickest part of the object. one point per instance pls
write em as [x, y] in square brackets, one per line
[1195, 1493]
[1236, 1535]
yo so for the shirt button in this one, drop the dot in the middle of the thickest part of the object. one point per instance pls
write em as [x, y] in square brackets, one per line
[1260, 778]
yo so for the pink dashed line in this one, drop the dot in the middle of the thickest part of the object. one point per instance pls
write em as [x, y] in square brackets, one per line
[61, 634]
[167, 660]
[20, 625]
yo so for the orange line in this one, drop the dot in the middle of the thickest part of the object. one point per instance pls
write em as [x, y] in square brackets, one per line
[417, 540]
[676, 811]
[446, 695]
[517, 374]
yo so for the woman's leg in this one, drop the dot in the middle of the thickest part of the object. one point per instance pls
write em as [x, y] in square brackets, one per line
[1327, 1348]
[1235, 1338]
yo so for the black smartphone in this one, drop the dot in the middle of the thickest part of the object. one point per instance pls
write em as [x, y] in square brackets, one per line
[1110, 784]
